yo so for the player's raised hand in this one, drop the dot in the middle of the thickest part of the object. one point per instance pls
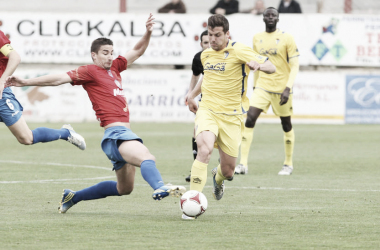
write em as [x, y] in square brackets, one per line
[193, 107]
[14, 81]
[253, 65]
[149, 23]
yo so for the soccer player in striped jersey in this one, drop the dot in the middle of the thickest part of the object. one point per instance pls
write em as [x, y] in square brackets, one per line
[11, 109]
[102, 81]
[272, 90]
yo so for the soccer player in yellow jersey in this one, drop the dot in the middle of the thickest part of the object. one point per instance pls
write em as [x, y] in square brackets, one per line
[219, 117]
[274, 89]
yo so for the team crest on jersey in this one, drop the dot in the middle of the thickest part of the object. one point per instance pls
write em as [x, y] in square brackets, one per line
[226, 53]
[277, 41]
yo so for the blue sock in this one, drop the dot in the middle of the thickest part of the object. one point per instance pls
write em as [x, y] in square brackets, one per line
[48, 134]
[98, 191]
[150, 174]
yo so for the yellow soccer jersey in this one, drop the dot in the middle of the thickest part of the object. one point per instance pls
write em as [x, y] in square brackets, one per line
[225, 78]
[279, 47]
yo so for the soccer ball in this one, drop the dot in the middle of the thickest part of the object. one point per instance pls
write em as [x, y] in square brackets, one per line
[193, 203]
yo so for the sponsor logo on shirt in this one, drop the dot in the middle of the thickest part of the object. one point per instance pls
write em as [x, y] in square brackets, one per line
[219, 67]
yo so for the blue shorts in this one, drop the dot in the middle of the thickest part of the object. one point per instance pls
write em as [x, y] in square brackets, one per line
[111, 141]
[10, 109]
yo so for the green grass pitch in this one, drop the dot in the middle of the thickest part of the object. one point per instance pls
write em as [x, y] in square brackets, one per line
[332, 200]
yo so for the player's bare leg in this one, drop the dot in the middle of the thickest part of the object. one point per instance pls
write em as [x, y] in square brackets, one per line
[125, 179]
[287, 127]
[22, 132]
[223, 172]
[135, 153]
[28, 137]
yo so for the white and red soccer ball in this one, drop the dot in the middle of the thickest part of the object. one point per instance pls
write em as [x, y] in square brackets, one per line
[193, 203]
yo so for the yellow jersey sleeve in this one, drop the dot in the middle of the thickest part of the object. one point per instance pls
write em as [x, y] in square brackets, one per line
[292, 47]
[247, 54]
[6, 49]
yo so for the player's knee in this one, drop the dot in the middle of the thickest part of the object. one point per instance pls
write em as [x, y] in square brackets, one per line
[149, 156]
[250, 122]
[204, 151]
[286, 126]
[124, 190]
[26, 140]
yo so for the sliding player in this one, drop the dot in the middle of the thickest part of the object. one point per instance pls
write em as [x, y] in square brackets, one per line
[11, 109]
[102, 81]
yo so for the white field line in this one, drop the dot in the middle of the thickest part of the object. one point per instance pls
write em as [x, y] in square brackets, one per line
[56, 164]
[108, 177]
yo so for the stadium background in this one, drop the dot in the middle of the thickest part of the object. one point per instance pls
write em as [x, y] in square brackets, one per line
[340, 55]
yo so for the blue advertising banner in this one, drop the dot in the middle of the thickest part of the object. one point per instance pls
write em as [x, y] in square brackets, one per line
[362, 99]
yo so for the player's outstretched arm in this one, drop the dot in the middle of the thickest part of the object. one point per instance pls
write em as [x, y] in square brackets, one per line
[48, 80]
[294, 68]
[141, 46]
[193, 82]
[193, 106]
[266, 67]
[13, 61]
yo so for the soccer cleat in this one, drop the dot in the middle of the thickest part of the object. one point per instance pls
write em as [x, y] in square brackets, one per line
[75, 138]
[67, 201]
[217, 190]
[241, 169]
[168, 189]
[185, 217]
[286, 170]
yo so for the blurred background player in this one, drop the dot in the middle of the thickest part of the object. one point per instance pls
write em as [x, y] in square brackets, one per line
[220, 115]
[197, 69]
[102, 81]
[175, 6]
[225, 7]
[257, 9]
[289, 6]
[11, 109]
[272, 90]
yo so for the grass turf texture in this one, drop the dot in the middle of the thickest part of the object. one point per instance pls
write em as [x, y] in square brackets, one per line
[330, 202]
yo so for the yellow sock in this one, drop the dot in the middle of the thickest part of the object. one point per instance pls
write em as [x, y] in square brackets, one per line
[289, 146]
[198, 176]
[246, 145]
[219, 178]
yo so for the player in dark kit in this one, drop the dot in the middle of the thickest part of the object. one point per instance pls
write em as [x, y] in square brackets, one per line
[197, 69]
[11, 109]
[102, 81]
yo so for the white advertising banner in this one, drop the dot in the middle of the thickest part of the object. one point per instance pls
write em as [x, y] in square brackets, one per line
[158, 96]
[322, 39]
[67, 38]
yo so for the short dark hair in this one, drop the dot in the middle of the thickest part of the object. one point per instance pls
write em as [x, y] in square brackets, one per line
[204, 33]
[97, 43]
[271, 8]
[218, 20]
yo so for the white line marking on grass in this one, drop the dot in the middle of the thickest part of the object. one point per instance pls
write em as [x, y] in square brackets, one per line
[56, 164]
[306, 189]
[57, 180]
[108, 177]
